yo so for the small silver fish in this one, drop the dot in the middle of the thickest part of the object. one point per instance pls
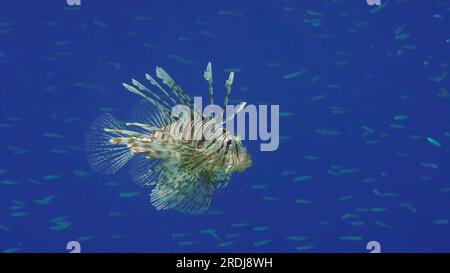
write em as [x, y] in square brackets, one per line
[184, 170]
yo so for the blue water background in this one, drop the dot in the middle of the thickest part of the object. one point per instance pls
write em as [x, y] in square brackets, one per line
[62, 66]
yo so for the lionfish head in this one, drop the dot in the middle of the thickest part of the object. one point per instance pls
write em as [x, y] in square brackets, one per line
[238, 158]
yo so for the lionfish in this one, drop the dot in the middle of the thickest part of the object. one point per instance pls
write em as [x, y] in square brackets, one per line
[183, 170]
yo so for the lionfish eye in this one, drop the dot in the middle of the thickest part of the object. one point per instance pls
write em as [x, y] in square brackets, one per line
[228, 142]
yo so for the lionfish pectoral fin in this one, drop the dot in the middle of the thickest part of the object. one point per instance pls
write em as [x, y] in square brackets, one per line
[105, 145]
[181, 189]
[145, 169]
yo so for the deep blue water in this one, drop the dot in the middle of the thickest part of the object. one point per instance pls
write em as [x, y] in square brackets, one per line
[354, 164]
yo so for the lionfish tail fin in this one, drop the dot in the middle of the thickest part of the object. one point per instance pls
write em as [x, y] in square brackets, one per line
[105, 145]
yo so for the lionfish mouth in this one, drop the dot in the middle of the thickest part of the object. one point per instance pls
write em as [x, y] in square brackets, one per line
[245, 164]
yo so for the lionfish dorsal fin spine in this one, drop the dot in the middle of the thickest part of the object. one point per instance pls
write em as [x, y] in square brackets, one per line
[228, 85]
[176, 89]
[143, 88]
[155, 83]
[238, 109]
[157, 104]
[208, 77]
[181, 189]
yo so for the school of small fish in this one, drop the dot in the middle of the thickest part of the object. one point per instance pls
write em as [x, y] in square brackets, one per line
[364, 144]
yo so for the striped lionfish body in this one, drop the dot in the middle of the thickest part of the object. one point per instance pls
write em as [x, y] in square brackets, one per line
[183, 164]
